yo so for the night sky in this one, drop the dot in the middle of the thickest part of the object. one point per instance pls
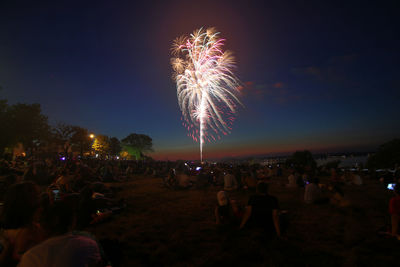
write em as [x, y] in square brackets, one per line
[317, 75]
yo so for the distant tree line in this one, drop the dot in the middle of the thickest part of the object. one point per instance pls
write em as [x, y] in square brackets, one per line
[387, 156]
[25, 124]
[302, 161]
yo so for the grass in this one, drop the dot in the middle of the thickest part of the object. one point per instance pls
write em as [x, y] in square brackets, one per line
[163, 227]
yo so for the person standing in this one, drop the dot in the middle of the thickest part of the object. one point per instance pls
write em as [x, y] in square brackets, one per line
[394, 210]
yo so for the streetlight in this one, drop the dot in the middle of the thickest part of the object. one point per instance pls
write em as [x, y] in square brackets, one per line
[92, 136]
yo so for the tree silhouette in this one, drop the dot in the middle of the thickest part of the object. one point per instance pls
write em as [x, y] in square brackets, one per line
[115, 146]
[137, 144]
[387, 156]
[26, 124]
[80, 140]
[5, 133]
[62, 135]
[302, 160]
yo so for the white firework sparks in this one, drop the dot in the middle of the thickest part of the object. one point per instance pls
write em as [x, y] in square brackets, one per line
[206, 86]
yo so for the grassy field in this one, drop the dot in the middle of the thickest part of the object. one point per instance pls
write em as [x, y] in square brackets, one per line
[163, 227]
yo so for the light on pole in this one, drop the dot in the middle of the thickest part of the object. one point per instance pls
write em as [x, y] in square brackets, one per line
[92, 136]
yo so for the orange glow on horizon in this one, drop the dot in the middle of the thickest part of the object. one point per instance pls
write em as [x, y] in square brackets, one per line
[253, 150]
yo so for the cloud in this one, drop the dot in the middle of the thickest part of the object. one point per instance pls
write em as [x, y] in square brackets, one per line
[336, 77]
[345, 59]
[334, 70]
[278, 85]
[248, 88]
[311, 71]
[275, 92]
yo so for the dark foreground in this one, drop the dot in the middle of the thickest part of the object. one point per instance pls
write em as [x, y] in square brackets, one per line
[164, 227]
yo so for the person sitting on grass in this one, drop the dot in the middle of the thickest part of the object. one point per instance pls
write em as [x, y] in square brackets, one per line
[262, 211]
[356, 179]
[230, 182]
[170, 181]
[183, 180]
[312, 192]
[335, 176]
[292, 180]
[202, 179]
[249, 182]
[64, 181]
[337, 198]
[227, 212]
[63, 248]
[299, 180]
[394, 210]
[347, 177]
[20, 222]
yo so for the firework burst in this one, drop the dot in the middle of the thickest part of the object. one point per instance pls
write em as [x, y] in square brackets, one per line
[206, 86]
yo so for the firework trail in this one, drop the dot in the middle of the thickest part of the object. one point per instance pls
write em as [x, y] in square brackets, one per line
[206, 86]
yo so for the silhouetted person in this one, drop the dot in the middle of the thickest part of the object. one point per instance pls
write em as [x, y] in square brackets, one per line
[262, 212]
[64, 248]
[20, 222]
[394, 210]
[226, 212]
[230, 182]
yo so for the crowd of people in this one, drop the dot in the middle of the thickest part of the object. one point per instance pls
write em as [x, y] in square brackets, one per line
[48, 205]
[230, 177]
[262, 210]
